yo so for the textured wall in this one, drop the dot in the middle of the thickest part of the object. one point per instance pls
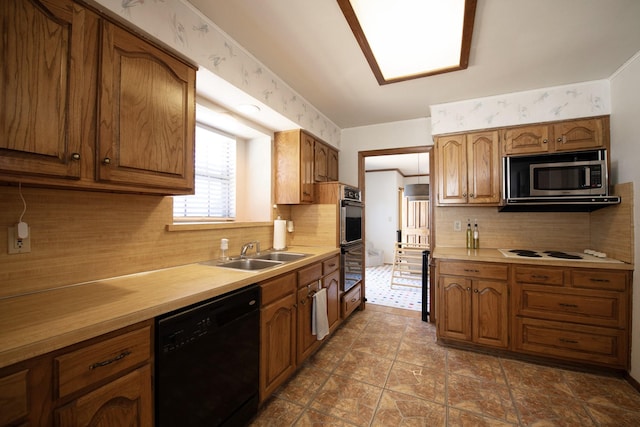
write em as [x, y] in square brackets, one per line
[534, 106]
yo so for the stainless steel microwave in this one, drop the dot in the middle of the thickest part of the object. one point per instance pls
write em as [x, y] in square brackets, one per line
[577, 177]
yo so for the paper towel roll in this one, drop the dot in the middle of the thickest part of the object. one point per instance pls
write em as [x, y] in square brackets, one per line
[279, 234]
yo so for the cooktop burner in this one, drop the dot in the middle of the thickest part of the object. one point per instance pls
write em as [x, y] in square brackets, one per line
[554, 255]
[525, 253]
[563, 255]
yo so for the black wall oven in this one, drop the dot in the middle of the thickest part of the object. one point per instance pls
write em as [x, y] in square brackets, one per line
[351, 263]
[351, 246]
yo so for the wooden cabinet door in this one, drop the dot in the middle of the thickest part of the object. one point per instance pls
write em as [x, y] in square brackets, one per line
[490, 313]
[454, 319]
[333, 166]
[147, 114]
[307, 177]
[127, 401]
[452, 169]
[331, 283]
[278, 344]
[578, 134]
[14, 397]
[307, 342]
[43, 58]
[527, 140]
[483, 163]
[321, 159]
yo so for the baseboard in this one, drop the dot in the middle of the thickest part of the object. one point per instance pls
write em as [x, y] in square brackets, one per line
[635, 384]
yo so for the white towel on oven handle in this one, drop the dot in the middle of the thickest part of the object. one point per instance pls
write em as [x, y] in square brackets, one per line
[319, 318]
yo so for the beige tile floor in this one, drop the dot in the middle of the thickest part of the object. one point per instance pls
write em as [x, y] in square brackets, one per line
[384, 368]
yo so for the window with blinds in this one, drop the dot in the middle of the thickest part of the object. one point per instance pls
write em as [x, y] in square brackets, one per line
[215, 172]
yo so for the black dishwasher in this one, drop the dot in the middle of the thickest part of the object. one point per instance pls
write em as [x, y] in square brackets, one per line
[207, 362]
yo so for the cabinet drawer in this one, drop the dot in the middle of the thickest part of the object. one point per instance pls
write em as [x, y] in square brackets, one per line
[332, 264]
[544, 276]
[351, 300]
[309, 274]
[609, 280]
[13, 397]
[101, 360]
[274, 289]
[475, 269]
[603, 346]
[599, 308]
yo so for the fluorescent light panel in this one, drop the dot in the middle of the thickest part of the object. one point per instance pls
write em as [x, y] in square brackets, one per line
[407, 39]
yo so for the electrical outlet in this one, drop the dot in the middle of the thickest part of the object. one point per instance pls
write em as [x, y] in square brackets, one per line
[457, 226]
[17, 245]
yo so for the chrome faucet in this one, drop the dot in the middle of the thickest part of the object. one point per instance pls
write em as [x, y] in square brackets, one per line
[248, 246]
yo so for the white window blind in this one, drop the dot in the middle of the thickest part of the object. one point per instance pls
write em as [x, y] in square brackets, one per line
[215, 172]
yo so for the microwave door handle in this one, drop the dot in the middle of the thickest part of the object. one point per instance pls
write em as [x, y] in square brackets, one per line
[587, 177]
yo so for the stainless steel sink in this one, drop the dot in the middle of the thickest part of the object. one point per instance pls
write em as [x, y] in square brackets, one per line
[280, 256]
[257, 262]
[250, 264]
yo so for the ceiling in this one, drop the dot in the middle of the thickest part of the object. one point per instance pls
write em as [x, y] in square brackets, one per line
[517, 45]
[408, 165]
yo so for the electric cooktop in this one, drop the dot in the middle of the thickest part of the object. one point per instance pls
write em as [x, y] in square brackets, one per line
[557, 255]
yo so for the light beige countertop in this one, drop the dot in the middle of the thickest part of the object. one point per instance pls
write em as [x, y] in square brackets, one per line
[35, 324]
[494, 255]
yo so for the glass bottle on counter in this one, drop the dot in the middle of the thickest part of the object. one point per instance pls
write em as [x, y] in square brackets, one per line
[476, 236]
[469, 235]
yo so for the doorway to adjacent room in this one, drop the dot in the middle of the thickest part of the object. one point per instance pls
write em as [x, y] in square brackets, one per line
[408, 226]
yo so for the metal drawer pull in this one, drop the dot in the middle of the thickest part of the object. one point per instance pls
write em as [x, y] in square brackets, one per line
[562, 304]
[600, 280]
[468, 270]
[354, 300]
[568, 341]
[535, 276]
[110, 361]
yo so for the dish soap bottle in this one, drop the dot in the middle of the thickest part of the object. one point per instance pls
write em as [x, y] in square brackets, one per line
[469, 235]
[476, 235]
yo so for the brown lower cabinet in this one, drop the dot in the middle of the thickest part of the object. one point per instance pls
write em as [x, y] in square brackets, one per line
[99, 382]
[571, 314]
[474, 303]
[277, 332]
[285, 318]
[576, 314]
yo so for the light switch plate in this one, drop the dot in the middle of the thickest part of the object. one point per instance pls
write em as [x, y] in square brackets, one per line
[15, 245]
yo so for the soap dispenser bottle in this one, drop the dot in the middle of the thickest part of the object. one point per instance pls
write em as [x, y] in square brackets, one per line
[469, 235]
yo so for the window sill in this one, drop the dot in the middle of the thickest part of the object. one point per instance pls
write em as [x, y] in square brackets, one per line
[194, 226]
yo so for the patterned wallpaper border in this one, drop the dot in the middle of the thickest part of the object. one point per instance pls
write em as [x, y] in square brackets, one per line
[182, 27]
[541, 105]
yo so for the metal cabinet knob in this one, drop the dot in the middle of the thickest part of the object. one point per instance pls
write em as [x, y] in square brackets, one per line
[475, 291]
[75, 156]
[106, 161]
[545, 141]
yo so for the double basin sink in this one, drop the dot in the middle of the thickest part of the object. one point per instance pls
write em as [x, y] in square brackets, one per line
[258, 262]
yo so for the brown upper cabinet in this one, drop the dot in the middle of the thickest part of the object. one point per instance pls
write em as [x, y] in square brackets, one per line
[468, 168]
[302, 160]
[42, 87]
[325, 163]
[93, 105]
[570, 135]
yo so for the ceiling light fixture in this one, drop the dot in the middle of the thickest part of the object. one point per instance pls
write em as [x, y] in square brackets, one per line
[249, 109]
[409, 39]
